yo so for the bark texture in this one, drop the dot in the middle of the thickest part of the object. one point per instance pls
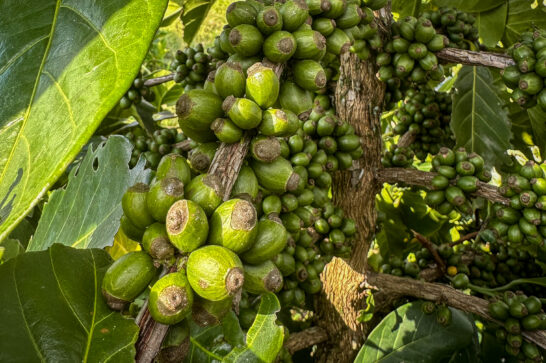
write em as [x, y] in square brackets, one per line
[159, 80]
[469, 57]
[305, 338]
[150, 338]
[423, 179]
[359, 98]
[227, 163]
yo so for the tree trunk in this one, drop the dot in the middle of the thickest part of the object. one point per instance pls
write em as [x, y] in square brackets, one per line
[359, 98]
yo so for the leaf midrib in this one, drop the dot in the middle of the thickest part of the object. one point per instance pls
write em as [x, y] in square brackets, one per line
[34, 89]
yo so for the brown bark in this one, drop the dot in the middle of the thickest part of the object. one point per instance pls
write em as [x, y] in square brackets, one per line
[423, 179]
[359, 98]
[389, 288]
[400, 286]
[159, 80]
[407, 139]
[469, 57]
[305, 338]
[150, 338]
[227, 163]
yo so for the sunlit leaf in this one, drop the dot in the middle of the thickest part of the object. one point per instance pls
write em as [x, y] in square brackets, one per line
[63, 65]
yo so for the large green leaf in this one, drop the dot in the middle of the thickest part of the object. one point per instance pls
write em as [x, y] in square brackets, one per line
[491, 25]
[522, 16]
[53, 309]
[64, 64]
[193, 15]
[409, 335]
[86, 214]
[478, 120]
[264, 338]
[406, 7]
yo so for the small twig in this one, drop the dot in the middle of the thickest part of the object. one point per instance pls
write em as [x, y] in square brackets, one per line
[159, 80]
[466, 237]
[429, 246]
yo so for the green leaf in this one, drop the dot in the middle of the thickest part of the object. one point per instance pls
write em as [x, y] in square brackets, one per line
[232, 329]
[491, 24]
[406, 7]
[116, 120]
[537, 118]
[523, 15]
[195, 12]
[207, 344]
[63, 66]
[409, 335]
[478, 120]
[404, 210]
[264, 338]
[173, 12]
[10, 248]
[86, 214]
[53, 309]
[122, 245]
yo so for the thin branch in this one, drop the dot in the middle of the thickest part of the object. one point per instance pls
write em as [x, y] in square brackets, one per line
[305, 339]
[428, 245]
[466, 237]
[469, 57]
[407, 139]
[442, 293]
[159, 80]
[184, 145]
[423, 179]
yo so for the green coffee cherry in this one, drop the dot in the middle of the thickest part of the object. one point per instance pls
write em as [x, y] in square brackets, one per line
[135, 206]
[162, 194]
[262, 85]
[279, 47]
[171, 298]
[265, 149]
[234, 225]
[126, 278]
[174, 166]
[156, 242]
[215, 273]
[187, 225]
[262, 278]
[204, 190]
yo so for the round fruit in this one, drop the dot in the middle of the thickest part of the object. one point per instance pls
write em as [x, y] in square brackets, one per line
[171, 298]
[234, 225]
[126, 278]
[215, 273]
